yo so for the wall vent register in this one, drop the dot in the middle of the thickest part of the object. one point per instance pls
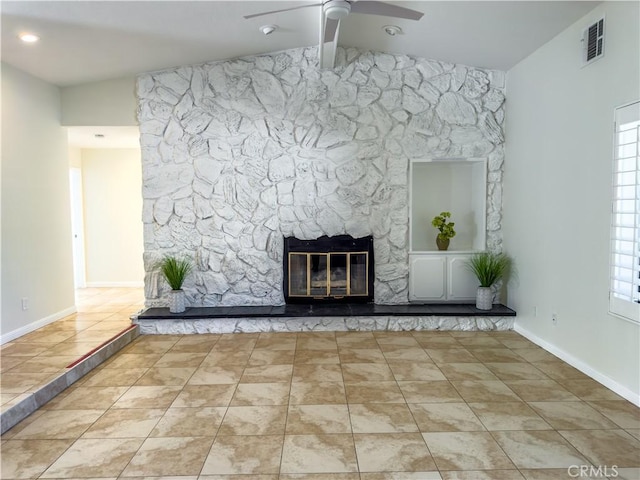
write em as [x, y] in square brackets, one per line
[593, 42]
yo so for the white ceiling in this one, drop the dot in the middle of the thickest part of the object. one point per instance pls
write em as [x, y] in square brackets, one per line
[111, 137]
[84, 41]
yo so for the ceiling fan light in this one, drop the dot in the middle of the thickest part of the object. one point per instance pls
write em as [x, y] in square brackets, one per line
[337, 9]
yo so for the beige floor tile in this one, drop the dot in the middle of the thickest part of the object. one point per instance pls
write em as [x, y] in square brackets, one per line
[429, 392]
[7, 363]
[216, 375]
[366, 372]
[538, 449]
[316, 357]
[263, 420]
[624, 473]
[559, 370]
[540, 391]
[130, 360]
[466, 371]
[451, 355]
[104, 457]
[148, 397]
[635, 432]
[226, 357]
[156, 377]
[173, 359]
[508, 416]
[401, 476]
[484, 391]
[169, 456]
[381, 418]
[22, 349]
[317, 419]
[59, 425]
[22, 382]
[25, 459]
[244, 455]
[423, 371]
[321, 476]
[445, 417]
[113, 377]
[317, 373]
[265, 356]
[202, 343]
[267, 374]
[392, 452]
[205, 395]
[361, 355]
[516, 371]
[44, 364]
[305, 343]
[125, 423]
[317, 393]
[404, 354]
[86, 398]
[478, 341]
[157, 347]
[396, 339]
[535, 354]
[606, 447]
[189, 422]
[466, 451]
[483, 475]
[261, 394]
[428, 341]
[589, 390]
[318, 454]
[622, 413]
[374, 392]
[556, 473]
[277, 341]
[73, 348]
[572, 415]
[495, 355]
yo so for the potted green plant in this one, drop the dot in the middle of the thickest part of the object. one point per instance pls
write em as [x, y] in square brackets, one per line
[446, 230]
[488, 267]
[175, 270]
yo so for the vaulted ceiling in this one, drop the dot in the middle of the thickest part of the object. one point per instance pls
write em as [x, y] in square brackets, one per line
[84, 41]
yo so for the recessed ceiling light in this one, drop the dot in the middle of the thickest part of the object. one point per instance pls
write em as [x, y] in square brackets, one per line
[98, 135]
[392, 30]
[268, 29]
[29, 37]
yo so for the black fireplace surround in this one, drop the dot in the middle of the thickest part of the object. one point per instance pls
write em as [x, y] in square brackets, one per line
[337, 269]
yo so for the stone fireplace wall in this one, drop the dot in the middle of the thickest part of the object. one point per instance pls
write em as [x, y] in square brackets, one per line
[238, 154]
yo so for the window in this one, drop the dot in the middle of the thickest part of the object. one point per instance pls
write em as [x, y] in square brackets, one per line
[624, 296]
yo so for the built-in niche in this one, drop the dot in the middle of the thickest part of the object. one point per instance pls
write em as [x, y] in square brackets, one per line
[454, 185]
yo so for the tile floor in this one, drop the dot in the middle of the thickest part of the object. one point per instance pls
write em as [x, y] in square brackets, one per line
[329, 406]
[29, 362]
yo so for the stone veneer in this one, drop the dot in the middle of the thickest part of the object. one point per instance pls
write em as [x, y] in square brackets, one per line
[320, 324]
[238, 154]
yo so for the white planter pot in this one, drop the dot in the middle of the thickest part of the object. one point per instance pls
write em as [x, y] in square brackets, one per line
[177, 301]
[484, 298]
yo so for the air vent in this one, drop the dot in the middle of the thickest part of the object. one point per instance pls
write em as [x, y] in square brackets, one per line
[593, 42]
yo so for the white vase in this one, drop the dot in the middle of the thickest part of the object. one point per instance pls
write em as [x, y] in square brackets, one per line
[484, 298]
[177, 301]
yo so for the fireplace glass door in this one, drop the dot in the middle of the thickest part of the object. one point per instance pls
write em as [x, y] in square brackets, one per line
[328, 274]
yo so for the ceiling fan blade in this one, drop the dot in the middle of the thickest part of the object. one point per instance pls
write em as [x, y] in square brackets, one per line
[330, 29]
[283, 10]
[372, 7]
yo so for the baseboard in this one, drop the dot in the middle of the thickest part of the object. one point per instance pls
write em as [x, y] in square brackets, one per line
[608, 382]
[12, 335]
[114, 284]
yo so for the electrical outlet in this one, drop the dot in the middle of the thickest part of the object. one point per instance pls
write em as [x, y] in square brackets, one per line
[554, 319]
[25, 303]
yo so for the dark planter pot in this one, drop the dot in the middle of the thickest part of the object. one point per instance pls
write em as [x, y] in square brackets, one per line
[442, 243]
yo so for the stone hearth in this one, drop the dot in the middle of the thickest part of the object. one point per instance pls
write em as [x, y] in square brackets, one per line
[329, 317]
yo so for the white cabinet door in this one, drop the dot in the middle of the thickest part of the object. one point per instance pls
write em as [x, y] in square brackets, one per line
[461, 282]
[427, 277]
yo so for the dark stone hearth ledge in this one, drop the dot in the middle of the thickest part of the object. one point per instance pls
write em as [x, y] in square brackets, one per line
[335, 310]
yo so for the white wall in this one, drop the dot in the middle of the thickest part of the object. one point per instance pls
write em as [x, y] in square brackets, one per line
[106, 103]
[557, 198]
[36, 225]
[112, 180]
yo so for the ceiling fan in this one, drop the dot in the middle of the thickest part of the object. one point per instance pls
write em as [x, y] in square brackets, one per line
[335, 10]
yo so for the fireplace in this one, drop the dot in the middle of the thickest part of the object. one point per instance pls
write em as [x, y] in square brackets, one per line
[328, 269]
